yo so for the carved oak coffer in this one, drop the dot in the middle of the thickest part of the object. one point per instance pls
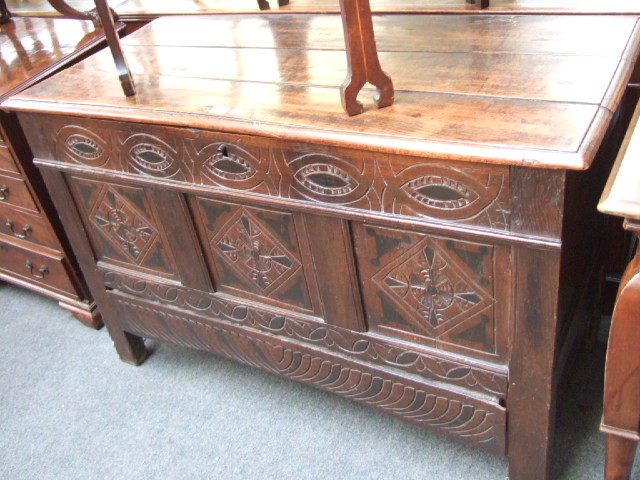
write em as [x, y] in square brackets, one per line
[215, 257]
[428, 259]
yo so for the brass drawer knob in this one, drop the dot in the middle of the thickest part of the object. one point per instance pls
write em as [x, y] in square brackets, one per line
[26, 230]
[41, 273]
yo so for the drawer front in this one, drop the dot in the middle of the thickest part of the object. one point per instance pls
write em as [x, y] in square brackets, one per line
[14, 192]
[321, 177]
[26, 226]
[6, 160]
[35, 268]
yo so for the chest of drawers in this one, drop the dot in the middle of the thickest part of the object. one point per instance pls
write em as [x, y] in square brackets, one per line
[427, 259]
[34, 252]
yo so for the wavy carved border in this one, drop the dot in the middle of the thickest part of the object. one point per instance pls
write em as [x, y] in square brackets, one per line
[357, 345]
[448, 413]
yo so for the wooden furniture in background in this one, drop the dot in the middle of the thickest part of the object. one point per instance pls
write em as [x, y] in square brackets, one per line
[34, 252]
[621, 416]
[427, 259]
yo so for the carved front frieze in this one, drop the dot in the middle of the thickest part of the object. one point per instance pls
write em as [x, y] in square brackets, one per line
[478, 422]
[472, 194]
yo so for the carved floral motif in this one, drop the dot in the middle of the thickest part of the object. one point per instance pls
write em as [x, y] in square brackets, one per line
[247, 246]
[430, 286]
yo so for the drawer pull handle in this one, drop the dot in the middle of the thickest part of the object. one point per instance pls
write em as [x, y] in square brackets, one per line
[42, 272]
[4, 193]
[26, 230]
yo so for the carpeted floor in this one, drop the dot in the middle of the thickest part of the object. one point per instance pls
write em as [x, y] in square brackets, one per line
[69, 409]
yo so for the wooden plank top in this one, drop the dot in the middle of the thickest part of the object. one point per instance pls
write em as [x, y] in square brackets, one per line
[621, 195]
[522, 90]
[149, 9]
[30, 48]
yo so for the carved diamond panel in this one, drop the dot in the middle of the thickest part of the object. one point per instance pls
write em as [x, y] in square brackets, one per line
[256, 253]
[252, 252]
[123, 225]
[435, 292]
[432, 290]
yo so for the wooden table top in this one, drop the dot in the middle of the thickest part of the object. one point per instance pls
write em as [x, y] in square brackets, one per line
[520, 90]
[621, 196]
[147, 9]
[30, 47]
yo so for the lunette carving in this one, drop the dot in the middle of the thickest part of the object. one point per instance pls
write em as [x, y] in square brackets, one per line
[361, 346]
[76, 144]
[428, 190]
[150, 155]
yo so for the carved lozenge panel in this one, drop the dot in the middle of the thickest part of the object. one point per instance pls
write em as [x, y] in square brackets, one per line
[417, 188]
[255, 253]
[123, 226]
[437, 291]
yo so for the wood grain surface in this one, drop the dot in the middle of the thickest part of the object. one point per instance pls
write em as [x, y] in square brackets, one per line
[148, 9]
[30, 47]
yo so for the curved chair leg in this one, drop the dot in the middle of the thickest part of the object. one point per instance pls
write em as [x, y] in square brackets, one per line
[621, 416]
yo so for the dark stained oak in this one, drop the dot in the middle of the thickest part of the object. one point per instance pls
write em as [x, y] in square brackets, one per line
[621, 415]
[34, 250]
[427, 259]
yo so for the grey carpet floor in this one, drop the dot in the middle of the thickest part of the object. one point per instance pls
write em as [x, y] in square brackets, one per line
[69, 409]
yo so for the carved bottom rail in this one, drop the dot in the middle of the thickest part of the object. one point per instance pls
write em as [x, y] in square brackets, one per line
[364, 347]
[475, 421]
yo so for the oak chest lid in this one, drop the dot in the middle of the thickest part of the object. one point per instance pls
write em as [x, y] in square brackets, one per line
[520, 90]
